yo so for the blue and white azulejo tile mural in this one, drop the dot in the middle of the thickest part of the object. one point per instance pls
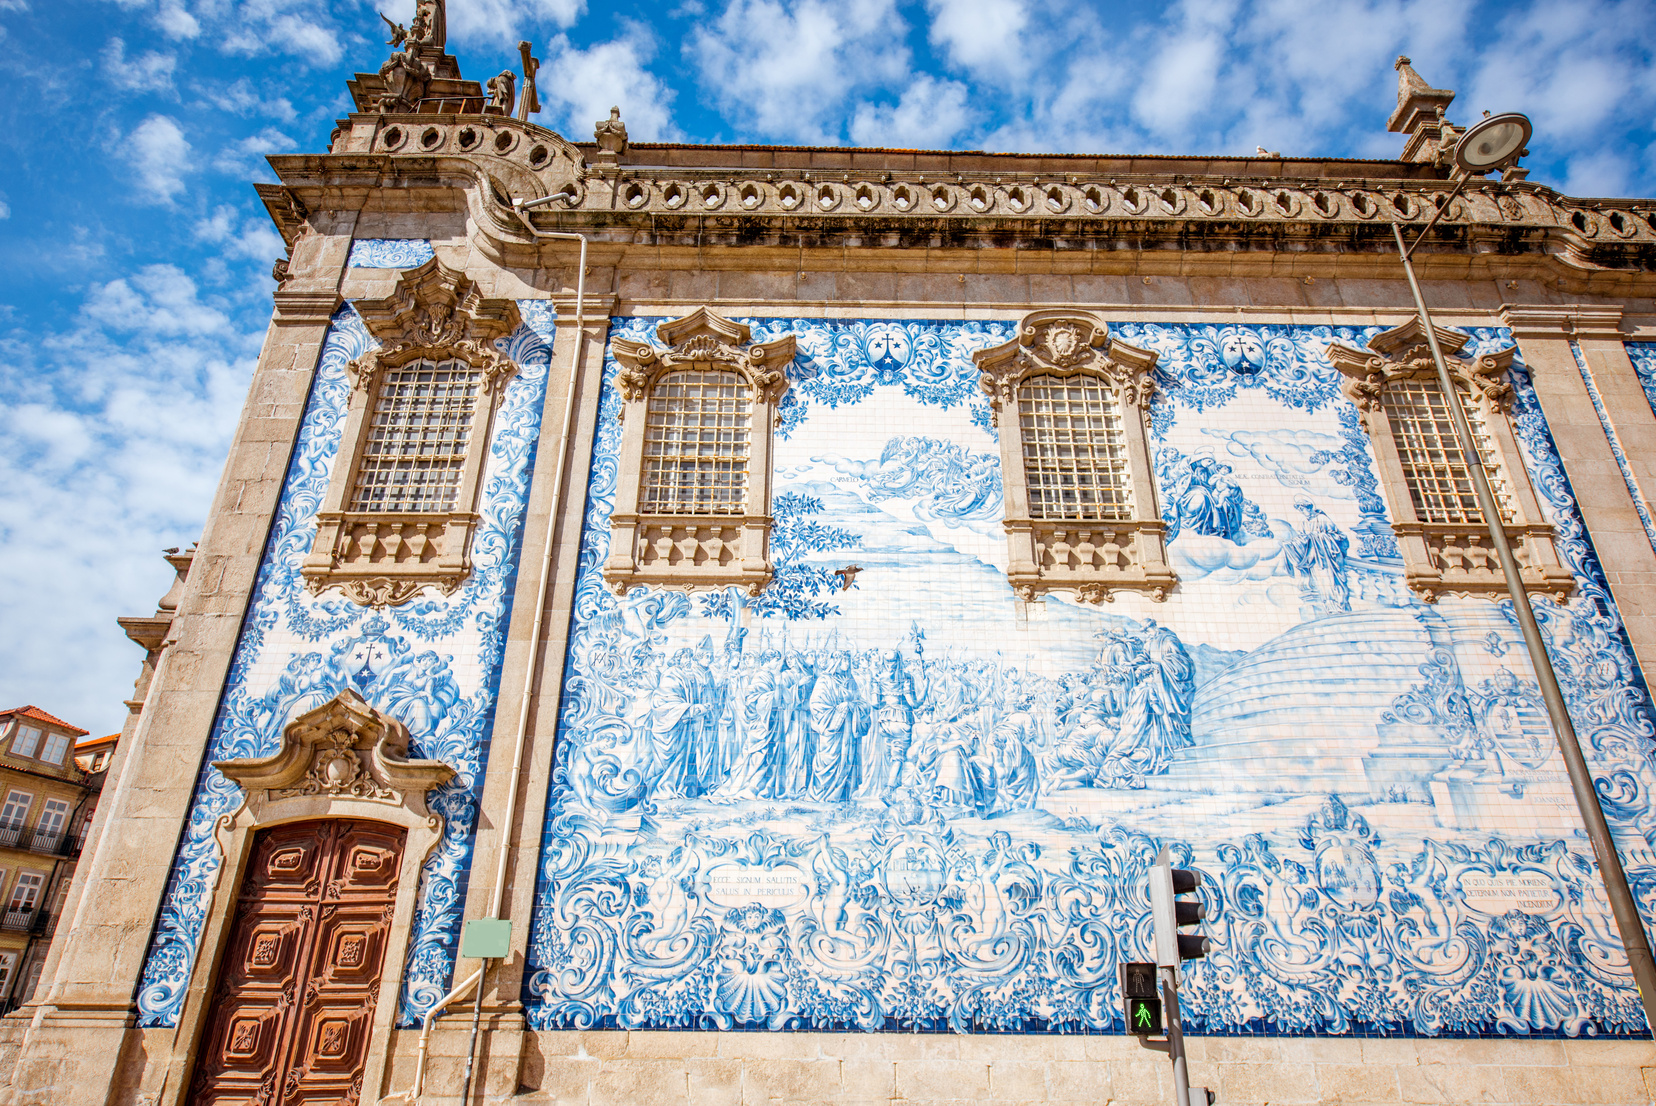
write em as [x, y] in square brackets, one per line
[390, 253]
[432, 663]
[916, 804]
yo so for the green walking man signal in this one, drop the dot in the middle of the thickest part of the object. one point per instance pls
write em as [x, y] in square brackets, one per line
[1144, 1016]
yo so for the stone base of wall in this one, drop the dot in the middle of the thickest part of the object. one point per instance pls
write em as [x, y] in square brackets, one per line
[739, 1069]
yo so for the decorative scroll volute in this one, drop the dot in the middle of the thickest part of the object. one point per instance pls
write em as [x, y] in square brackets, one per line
[437, 313]
[342, 749]
[1403, 353]
[1059, 343]
[703, 338]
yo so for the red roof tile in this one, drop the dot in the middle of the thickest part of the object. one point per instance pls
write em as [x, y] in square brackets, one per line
[32, 711]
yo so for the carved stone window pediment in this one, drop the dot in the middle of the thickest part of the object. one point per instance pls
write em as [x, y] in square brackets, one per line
[703, 338]
[436, 323]
[1402, 353]
[436, 313]
[1440, 533]
[343, 749]
[684, 519]
[1092, 530]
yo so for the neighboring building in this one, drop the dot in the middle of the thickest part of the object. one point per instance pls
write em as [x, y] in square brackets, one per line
[813, 615]
[49, 793]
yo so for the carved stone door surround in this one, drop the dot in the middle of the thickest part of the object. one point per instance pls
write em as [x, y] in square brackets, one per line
[344, 760]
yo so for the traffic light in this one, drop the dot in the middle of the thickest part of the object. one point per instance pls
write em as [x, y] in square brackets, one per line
[1168, 912]
[1142, 1005]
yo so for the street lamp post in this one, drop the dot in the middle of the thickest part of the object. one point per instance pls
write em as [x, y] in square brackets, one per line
[1493, 144]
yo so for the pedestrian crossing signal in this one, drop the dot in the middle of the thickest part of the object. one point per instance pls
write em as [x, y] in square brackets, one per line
[1144, 1017]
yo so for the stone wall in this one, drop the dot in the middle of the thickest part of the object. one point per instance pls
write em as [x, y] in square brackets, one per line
[726, 1069]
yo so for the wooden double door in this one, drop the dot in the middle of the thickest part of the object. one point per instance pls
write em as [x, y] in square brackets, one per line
[294, 1001]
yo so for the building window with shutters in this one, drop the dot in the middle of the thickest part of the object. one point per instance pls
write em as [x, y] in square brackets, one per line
[692, 505]
[401, 504]
[1070, 406]
[1441, 533]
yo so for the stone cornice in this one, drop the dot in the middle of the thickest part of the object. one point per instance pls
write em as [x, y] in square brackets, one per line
[1572, 321]
[740, 207]
[305, 307]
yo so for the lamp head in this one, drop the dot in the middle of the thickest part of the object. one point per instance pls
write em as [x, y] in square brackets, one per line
[1493, 143]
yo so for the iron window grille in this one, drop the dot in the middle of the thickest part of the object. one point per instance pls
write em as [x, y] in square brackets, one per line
[1074, 448]
[416, 445]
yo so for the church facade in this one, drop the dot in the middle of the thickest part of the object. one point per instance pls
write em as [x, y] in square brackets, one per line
[802, 591]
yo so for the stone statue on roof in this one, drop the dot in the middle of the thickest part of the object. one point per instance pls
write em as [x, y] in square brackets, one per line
[399, 33]
[430, 24]
[502, 93]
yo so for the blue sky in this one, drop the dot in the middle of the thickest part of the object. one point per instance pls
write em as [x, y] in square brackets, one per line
[136, 259]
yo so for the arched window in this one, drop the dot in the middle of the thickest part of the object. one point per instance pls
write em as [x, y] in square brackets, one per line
[1441, 533]
[696, 443]
[692, 502]
[1081, 508]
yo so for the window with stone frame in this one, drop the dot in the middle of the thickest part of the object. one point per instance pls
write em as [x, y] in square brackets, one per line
[401, 503]
[415, 450]
[16, 810]
[1441, 533]
[692, 505]
[26, 892]
[696, 431]
[1070, 405]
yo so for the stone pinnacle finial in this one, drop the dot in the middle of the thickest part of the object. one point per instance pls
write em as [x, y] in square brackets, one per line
[1419, 114]
[1408, 81]
[611, 136]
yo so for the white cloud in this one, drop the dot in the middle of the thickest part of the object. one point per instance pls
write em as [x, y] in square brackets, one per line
[159, 152]
[981, 35]
[1605, 173]
[927, 116]
[785, 70]
[117, 429]
[254, 240]
[1180, 84]
[241, 98]
[308, 36]
[150, 71]
[578, 87]
[5, 208]
[246, 156]
[508, 21]
[175, 20]
[158, 300]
